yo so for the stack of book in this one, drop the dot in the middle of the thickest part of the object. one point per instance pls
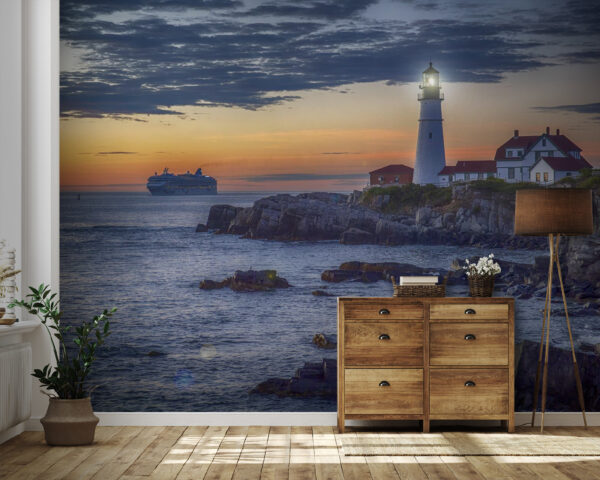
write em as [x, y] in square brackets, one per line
[419, 286]
[418, 280]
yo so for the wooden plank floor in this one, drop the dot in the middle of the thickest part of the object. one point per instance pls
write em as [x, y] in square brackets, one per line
[264, 453]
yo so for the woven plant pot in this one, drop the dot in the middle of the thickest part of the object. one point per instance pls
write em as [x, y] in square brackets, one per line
[481, 286]
[69, 422]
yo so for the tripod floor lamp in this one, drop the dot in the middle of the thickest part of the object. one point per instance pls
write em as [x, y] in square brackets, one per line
[553, 212]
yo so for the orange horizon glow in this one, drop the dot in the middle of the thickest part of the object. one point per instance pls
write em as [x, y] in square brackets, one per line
[322, 133]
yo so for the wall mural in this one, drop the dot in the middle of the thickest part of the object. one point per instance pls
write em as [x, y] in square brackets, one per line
[194, 135]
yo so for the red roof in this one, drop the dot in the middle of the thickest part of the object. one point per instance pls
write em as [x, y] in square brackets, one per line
[515, 142]
[472, 166]
[393, 169]
[526, 142]
[566, 164]
[563, 143]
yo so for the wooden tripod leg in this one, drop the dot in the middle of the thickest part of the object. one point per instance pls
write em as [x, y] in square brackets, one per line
[575, 366]
[536, 388]
[545, 376]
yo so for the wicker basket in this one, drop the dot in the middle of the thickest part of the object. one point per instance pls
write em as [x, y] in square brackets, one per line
[438, 290]
[481, 286]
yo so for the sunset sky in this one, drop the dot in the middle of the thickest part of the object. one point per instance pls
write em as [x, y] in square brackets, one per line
[284, 95]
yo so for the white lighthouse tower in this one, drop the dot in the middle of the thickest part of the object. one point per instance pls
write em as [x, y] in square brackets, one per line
[431, 157]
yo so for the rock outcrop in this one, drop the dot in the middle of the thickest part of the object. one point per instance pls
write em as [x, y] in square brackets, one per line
[480, 215]
[322, 293]
[562, 391]
[373, 272]
[322, 341]
[312, 380]
[471, 217]
[220, 216]
[248, 281]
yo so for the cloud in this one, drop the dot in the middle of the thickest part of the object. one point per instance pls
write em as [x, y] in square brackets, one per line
[116, 153]
[580, 108]
[585, 108]
[327, 9]
[296, 177]
[136, 60]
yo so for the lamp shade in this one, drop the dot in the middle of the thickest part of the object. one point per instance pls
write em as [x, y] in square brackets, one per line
[564, 211]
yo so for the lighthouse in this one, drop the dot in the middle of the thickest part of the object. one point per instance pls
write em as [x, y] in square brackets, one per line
[431, 157]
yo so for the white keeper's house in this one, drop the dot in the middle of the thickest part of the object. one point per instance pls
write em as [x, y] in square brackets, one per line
[542, 158]
[467, 171]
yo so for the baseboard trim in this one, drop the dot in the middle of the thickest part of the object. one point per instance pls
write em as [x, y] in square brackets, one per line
[217, 418]
[559, 419]
[11, 432]
[152, 419]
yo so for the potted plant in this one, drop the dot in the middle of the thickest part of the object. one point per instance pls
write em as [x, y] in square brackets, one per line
[481, 275]
[70, 419]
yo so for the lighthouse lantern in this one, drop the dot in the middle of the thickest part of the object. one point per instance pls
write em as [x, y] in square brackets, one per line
[431, 83]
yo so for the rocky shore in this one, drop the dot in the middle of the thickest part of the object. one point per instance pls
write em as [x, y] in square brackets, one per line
[562, 392]
[469, 217]
[475, 215]
[311, 380]
[319, 380]
[248, 281]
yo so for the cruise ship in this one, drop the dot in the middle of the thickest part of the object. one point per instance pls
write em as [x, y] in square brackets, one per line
[184, 184]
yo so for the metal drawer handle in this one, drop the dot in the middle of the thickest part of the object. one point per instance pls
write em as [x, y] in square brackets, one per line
[469, 383]
[384, 336]
[384, 311]
[384, 383]
[470, 336]
[470, 311]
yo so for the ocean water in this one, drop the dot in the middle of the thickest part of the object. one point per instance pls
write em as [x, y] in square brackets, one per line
[175, 347]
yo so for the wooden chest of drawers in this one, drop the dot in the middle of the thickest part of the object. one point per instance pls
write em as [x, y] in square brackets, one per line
[426, 359]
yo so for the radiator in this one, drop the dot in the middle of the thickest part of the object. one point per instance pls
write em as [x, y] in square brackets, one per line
[15, 384]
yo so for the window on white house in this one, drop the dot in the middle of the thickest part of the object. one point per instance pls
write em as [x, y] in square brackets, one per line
[480, 176]
[545, 177]
[537, 177]
[569, 174]
[511, 172]
[467, 176]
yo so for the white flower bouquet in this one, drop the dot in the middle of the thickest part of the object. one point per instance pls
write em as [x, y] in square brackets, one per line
[481, 275]
[485, 267]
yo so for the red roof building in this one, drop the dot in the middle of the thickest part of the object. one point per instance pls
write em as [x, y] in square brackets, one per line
[516, 157]
[391, 175]
[465, 171]
[548, 170]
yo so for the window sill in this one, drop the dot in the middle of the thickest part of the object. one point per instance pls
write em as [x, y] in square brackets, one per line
[11, 334]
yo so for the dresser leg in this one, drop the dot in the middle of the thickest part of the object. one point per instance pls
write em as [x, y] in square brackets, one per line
[341, 424]
[511, 424]
[426, 426]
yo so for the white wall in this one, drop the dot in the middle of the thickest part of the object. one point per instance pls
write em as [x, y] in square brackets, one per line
[29, 167]
[10, 124]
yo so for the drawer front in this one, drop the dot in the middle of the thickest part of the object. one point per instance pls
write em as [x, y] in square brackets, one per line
[366, 391]
[383, 343]
[384, 310]
[468, 344]
[469, 312]
[450, 395]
